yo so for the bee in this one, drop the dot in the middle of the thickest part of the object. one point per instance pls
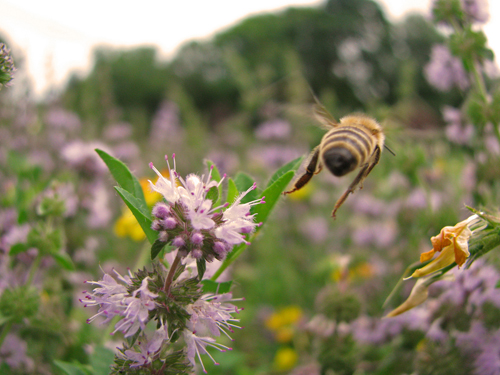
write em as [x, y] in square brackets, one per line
[354, 142]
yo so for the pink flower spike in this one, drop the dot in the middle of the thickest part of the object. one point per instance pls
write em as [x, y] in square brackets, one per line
[151, 165]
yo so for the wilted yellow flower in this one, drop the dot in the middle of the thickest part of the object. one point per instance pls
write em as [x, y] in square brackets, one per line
[417, 296]
[453, 245]
[285, 359]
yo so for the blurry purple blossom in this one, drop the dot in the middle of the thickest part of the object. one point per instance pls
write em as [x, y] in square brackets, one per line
[62, 119]
[274, 156]
[491, 141]
[476, 10]
[381, 234]
[277, 129]
[87, 253]
[127, 151]
[316, 229]
[459, 133]
[118, 131]
[64, 192]
[376, 331]
[98, 205]
[368, 205]
[82, 156]
[445, 70]
[468, 179]
[490, 68]
[470, 288]
[13, 353]
[166, 125]
[225, 160]
[16, 234]
[416, 199]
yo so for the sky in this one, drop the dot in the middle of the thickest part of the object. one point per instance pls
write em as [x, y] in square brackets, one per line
[56, 37]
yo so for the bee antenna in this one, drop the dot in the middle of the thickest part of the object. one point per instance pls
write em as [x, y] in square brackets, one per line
[388, 149]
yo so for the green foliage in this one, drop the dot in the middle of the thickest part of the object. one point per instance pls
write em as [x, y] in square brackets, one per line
[19, 303]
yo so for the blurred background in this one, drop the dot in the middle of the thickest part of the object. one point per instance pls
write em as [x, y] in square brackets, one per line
[231, 82]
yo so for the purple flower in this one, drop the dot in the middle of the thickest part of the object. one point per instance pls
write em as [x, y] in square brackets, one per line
[476, 10]
[13, 353]
[444, 70]
[166, 126]
[274, 129]
[82, 156]
[192, 223]
[118, 131]
[456, 131]
[61, 119]
[145, 351]
[109, 296]
[136, 313]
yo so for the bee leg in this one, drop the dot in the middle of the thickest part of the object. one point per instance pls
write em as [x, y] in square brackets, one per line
[358, 180]
[310, 171]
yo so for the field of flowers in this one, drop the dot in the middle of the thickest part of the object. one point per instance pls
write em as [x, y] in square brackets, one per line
[144, 230]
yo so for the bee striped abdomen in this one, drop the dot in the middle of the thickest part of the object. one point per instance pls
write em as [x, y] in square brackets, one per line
[343, 149]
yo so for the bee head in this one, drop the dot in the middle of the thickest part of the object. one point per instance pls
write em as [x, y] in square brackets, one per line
[339, 161]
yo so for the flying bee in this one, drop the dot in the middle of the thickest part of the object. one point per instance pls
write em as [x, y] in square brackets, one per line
[354, 142]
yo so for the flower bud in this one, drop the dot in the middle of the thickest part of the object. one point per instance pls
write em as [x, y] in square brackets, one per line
[161, 210]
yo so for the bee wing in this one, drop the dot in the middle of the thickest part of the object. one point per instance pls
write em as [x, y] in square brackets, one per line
[322, 114]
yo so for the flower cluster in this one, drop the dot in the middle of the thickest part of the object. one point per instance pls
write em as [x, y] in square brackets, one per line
[183, 312]
[189, 222]
[7, 67]
[169, 295]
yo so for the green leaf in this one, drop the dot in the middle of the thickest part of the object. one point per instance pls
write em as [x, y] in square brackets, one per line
[201, 265]
[271, 194]
[213, 195]
[291, 166]
[215, 172]
[156, 248]
[244, 182]
[123, 176]
[101, 360]
[210, 286]
[262, 211]
[232, 191]
[64, 260]
[142, 215]
[18, 248]
[73, 368]
[217, 177]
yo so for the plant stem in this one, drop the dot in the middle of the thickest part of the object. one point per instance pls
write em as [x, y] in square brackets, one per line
[33, 269]
[171, 272]
[5, 331]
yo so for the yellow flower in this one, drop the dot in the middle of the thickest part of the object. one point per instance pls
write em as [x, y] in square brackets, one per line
[417, 296]
[127, 225]
[453, 245]
[302, 194]
[286, 316]
[283, 322]
[285, 359]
